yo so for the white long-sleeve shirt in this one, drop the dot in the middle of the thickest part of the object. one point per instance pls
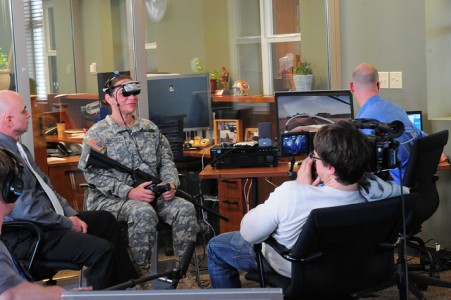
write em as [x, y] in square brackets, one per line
[285, 212]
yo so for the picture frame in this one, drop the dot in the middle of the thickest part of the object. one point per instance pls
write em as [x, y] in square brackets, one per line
[250, 133]
[227, 131]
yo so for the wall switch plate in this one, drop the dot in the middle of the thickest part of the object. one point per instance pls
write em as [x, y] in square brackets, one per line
[396, 80]
[383, 79]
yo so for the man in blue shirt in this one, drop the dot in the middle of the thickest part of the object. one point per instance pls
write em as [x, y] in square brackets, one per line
[365, 87]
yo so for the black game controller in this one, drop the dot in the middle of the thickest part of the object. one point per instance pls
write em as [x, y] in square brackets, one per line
[159, 189]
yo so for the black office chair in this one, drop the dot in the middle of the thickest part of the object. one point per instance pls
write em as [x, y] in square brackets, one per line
[38, 268]
[420, 176]
[341, 251]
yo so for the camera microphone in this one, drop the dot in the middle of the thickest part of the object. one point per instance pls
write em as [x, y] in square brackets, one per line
[393, 129]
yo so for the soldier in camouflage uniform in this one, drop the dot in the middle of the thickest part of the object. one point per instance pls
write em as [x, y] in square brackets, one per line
[137, 144]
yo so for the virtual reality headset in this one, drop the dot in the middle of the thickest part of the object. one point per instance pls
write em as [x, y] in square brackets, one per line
[128, 88]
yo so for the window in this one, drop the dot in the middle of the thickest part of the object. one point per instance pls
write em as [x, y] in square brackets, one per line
[267, 37]
[50, 47]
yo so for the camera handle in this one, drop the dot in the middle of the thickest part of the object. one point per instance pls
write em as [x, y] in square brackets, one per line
[291, 174]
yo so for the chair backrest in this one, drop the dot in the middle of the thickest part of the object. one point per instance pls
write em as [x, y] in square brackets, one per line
[420, 176]
[172, 128]
[352, 241]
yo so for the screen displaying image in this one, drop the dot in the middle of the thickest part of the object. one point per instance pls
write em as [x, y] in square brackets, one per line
[307, 111]
[295, 144]
[416, 118]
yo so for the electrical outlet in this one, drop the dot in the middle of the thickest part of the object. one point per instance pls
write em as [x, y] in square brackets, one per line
[383, 79]
[396, 80]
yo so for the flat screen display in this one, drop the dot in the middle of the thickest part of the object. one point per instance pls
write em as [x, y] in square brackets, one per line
[181, 95]
[295, 143]
[306, 111]
[416, 117]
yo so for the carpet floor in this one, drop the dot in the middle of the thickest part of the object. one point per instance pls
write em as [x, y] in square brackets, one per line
[69, 279]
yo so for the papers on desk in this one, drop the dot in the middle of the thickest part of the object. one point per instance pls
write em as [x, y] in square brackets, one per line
[77, 136]
[73, 131]
[52, 159]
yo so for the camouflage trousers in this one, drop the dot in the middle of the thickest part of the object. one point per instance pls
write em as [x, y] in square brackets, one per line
[142, 221]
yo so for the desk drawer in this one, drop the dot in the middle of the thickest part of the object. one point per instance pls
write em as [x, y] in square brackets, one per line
[231, 188]
[231, 204]
[231, 208]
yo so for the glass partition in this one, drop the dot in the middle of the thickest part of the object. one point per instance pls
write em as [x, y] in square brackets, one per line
[7, 80]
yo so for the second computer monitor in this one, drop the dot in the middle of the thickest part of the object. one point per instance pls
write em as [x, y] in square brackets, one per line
[305, 112]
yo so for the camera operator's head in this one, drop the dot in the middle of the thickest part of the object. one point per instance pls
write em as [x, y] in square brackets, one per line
[11, 184]
[342, 146]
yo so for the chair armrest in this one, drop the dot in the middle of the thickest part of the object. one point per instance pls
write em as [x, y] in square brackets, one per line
[286, 253]
[281, 249]
[32, 227]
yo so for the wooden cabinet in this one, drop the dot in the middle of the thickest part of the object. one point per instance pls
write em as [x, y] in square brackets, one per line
[231, 204]
[66, 178]
[232, 200]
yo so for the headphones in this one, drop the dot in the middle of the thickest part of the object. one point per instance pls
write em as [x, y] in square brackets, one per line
[13, 184]
[108, 86]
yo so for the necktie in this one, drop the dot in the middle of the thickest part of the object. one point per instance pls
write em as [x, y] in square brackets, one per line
[50, 193]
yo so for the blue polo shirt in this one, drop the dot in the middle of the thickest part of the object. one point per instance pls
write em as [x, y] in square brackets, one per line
[383, 110]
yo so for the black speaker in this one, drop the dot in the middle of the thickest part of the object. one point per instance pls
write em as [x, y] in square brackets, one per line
[265, 134]
[13, 183]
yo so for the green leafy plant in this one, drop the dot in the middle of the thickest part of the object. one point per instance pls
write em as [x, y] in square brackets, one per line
[214, 74]
[303, 68]
[3, 60]
[198, 68]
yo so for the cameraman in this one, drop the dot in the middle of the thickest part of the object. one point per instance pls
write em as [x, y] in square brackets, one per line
[341, 156]
[365, 87]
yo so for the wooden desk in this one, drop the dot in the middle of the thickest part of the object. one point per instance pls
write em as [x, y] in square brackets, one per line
[205, 152]
[281, 170]
[231, 186]
[66, 178]
[68, 138]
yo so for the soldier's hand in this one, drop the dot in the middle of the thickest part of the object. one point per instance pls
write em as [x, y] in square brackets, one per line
[141, 193]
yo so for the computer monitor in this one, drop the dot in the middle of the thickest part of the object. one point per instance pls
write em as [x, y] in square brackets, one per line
[299, 115]
[187, 95]
[416, 117]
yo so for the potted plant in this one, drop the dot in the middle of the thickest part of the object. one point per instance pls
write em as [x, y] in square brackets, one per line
[4, 71]
[196, 67]
[303, 77]
[214, 80]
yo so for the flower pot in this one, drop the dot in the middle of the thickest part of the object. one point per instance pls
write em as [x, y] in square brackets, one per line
[213, 85]
[5, 79]
[303, 82]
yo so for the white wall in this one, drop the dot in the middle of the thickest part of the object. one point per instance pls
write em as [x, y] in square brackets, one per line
[393, 36]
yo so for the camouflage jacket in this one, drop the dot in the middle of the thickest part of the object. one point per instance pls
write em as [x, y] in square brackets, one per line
[142, 147]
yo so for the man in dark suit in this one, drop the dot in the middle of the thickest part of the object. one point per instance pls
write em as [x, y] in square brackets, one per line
[90, 238]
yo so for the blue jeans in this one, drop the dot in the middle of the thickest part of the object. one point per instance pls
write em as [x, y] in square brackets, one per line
[227, 253]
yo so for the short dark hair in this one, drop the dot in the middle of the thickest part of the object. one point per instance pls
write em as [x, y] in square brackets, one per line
[7, 166]
[344, 147]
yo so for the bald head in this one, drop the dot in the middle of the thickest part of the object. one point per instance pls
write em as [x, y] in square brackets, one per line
[365, 74]
[7, 99]
[365, 82]
[14, 116]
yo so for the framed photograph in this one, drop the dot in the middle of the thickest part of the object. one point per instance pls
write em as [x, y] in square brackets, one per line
[227, 131]
[250, 133]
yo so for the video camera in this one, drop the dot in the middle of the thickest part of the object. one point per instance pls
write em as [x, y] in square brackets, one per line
[383, 139]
